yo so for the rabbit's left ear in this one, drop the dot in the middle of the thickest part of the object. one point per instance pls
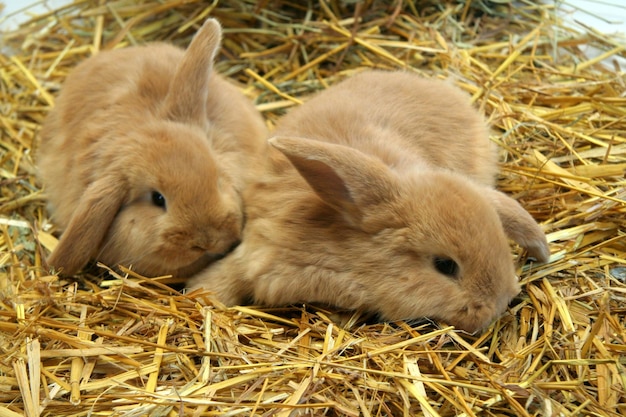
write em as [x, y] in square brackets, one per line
[520, 226]
[346, 179]
[88, 227]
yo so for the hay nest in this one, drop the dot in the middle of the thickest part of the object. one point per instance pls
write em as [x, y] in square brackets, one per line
[122, 345]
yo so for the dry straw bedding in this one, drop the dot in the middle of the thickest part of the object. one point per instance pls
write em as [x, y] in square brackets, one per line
[107, 344]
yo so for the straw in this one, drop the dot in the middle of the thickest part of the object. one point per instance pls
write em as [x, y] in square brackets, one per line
[110, 342]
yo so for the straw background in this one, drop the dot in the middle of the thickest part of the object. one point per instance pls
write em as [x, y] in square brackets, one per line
[105, 344]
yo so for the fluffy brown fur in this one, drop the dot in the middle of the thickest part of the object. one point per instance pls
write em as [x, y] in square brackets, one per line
[135, 121]
[390, 209]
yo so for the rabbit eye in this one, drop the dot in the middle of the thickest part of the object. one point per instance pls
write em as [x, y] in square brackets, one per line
[158, 199]
[446, 266]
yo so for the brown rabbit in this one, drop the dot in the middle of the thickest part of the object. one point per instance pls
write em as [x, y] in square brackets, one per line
[390, 209]
[145, 156]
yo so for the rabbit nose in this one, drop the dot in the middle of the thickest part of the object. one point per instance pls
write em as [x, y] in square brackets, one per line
[198, 248]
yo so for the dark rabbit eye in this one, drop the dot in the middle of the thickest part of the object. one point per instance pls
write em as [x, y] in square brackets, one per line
[158, 199]
[446, 266]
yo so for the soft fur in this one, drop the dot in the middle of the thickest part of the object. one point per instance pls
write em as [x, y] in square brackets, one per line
[134, 121]
[396, 174]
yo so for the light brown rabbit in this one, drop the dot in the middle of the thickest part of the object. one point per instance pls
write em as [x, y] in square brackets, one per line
[380, 197]
[145, 156]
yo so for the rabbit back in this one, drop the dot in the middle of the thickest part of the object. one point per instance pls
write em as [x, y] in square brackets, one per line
[403, 119]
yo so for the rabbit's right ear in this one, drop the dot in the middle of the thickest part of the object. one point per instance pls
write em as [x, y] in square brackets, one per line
[186, 98]
[519, 225]
[343, 177]
[89, 225]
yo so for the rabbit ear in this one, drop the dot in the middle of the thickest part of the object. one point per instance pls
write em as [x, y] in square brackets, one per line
[89, 225]
[343, 177]
[187, 94]
[520, 226]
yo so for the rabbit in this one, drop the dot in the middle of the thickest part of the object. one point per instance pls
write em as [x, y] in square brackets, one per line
[144, 157]
[378, 195]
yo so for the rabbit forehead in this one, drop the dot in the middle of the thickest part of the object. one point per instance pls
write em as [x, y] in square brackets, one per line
[174, 159]
[448, 216]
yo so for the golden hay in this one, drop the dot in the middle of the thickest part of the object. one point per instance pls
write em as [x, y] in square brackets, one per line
[127, 346]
